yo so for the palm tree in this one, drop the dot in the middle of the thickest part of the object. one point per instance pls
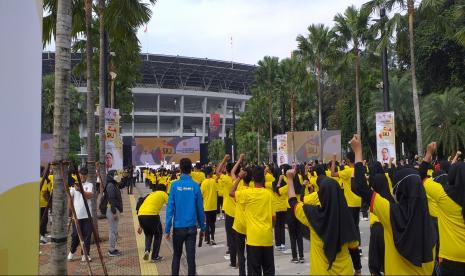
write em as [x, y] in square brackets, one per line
[316, 50]
[102, 88]
[443, 117]
[266, 77]
[410, 6]
[353, 31]
[61, 134]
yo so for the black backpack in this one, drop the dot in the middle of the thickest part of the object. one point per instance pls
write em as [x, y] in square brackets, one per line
[139, 202]
[103, 202]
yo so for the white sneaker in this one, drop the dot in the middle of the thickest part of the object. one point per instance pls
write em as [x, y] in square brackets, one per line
[71, 256]
[43, 240]
[83, 258]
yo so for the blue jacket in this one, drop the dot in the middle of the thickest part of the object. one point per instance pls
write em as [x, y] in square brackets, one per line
[185, 205]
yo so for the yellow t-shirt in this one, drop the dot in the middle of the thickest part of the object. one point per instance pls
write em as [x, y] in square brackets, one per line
[258, 213]
[312, 199]
[373, 218]
[229, 205]
[209, 194]
[395, 263]
[153, 203]
[239, 218]
[198, 176]
[46, 187]
[280, 202]
[352, 199]
[450, 223]
[342, 265]
[269, 177]
[312, 180]
[389, 182]
[220, 188]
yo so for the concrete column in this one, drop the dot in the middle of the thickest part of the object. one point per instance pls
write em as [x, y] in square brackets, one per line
[158, 115]
[204, 118]
[225, 110]
[181, 121]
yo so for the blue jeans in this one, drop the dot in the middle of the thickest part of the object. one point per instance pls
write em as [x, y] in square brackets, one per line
[180, 236]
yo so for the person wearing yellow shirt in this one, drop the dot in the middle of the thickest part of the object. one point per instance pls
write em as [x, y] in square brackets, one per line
[354, 202]
[409, 234]
[257, 203]
[149, 221]
[332, 231]
[198, 175]
[450, 200]
[280, 207]
[209, 195]
[219, 207]
[229, 207]
[44, 197]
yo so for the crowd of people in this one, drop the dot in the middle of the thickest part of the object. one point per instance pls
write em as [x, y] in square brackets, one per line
[416, 213]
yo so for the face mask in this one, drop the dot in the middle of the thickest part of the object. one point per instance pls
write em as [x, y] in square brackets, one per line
[117, 178]
[395, 188]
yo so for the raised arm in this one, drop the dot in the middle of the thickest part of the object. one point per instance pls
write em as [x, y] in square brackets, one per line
[333, 167]
[423, 169]
[359, 183]
[223, 162]
[232, 192]
[236, 166]
[456, 157]
[290, 188]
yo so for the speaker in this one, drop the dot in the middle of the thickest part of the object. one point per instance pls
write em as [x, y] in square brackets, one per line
[127, 151]
[228, 146]
[203, 153]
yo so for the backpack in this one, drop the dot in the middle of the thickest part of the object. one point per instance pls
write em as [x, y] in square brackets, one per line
[139, 202]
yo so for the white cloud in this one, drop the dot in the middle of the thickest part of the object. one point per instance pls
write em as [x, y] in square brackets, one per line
[202, 28]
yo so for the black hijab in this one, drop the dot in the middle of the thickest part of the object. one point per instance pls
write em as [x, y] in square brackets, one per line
[456, 188]
[412, 227]
[381, 186]
[332, 221]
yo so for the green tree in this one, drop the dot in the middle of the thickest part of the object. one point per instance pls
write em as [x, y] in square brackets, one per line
[216, 151]
[443, 116]
[353, 32]
[253, 146]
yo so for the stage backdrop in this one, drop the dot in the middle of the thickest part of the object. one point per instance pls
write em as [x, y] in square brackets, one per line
[20, 88]
[303, 146]
[385, 136]
[154, 150]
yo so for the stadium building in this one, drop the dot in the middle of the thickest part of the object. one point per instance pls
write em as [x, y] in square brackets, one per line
[177, 94]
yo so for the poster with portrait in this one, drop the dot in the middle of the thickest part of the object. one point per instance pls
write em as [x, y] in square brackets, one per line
[281, 152]
[304, 146]
[164, 150]
[113, 141]
[385, 137]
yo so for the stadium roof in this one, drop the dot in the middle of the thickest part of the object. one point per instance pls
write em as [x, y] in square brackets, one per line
[177, 72]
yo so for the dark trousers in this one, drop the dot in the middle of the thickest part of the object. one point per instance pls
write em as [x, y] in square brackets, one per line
[279, 228]
[230, 239]
[260, 260]
[153, 232]
[295, 234]
[240, 245]
[355, 211]
[452, 268]
[219, 204]
[185, 236]
[210, 217]
[364, 209]
[376, 249]
[131, 182]
[43, 221]
[86, 231]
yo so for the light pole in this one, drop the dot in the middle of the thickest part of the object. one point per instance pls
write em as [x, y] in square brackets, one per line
[112, 89]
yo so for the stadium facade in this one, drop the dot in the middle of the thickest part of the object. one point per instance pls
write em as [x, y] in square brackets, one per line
[176, 95]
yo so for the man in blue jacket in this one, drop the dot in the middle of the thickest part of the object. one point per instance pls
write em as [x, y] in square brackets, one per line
[184, 212]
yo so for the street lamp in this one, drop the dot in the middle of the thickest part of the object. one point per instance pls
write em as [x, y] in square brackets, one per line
[320, 120]
[112, 93]
[233, 110]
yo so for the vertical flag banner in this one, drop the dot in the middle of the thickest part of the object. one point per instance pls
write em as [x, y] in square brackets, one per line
[20, 86]
[113, 141]
[281, 142]
[214, 126]
[385, 136]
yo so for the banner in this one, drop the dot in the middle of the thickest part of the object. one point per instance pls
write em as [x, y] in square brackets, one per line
[304, 146]
[215, 119]
[46, 149]
[113, 141]
[20, 87]
[385, 136]
[158, 150]
[281, 152]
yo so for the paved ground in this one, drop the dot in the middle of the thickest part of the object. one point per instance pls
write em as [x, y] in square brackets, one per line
[211, 260]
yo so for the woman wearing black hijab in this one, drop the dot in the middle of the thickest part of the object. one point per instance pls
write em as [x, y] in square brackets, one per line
[451, 214]
[332, 230]
[409, 233]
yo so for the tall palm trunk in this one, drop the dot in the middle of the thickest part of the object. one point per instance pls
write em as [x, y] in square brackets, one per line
[61, 123]
[102, 93]
[320, 124]
[90, 117]
[292, 104]
[270, 117]
[357, 89]
[416, 104]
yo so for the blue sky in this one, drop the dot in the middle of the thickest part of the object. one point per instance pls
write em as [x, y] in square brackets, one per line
[203, 28]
